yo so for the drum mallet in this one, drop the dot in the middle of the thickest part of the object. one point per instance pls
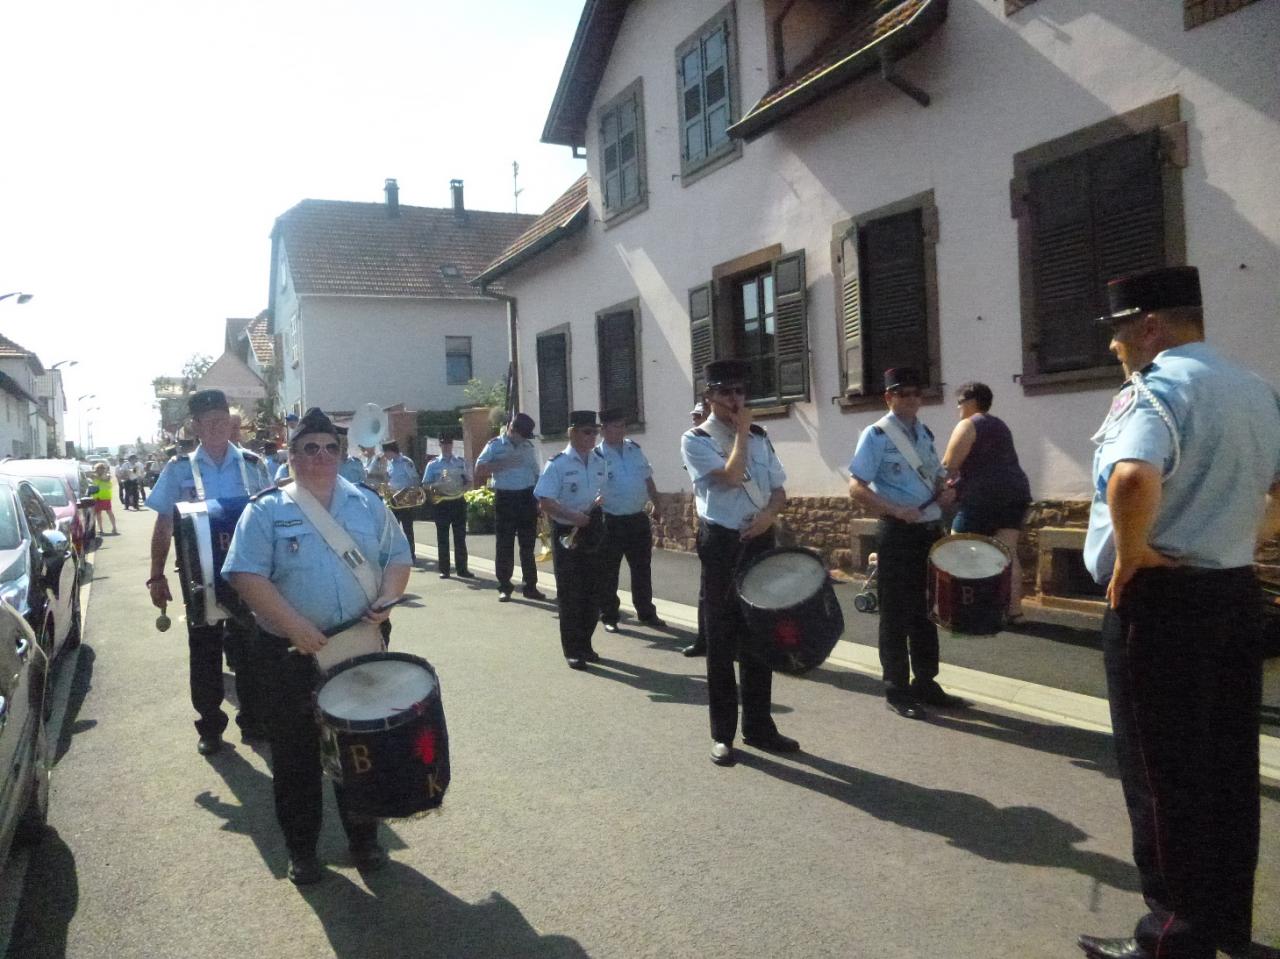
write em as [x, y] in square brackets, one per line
[162, 621]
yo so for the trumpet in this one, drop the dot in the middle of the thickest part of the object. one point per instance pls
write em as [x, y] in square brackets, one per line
[587, 538]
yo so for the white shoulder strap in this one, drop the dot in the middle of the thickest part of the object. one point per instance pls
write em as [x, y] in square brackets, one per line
[908, 451]
[339, 539]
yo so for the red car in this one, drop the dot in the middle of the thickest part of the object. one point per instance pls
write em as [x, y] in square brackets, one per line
[58, 482]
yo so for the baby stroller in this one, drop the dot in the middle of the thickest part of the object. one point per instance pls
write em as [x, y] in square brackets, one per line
[868, 601]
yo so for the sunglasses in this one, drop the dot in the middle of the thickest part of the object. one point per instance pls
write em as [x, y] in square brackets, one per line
[731, 390]
[315, 449]
[908, 394]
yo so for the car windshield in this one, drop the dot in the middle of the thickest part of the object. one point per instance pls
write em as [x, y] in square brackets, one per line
[51, 488]
[10, 534]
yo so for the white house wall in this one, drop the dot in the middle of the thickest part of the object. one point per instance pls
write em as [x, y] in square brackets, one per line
[999, 85]
[386, 351]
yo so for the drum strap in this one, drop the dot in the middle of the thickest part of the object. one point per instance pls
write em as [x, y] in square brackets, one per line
[905, 447]
[337, 538]
[199, 480]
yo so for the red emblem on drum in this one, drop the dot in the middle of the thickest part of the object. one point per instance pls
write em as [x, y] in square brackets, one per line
[787, 632]
[425, 746]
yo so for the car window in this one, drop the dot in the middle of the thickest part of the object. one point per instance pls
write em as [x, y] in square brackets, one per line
[34, 509]
[10, 531]
[51, 488]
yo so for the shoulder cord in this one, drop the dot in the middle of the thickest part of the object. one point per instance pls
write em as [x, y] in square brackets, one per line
[1163, 412]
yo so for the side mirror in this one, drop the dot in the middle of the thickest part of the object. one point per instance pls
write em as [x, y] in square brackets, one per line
[53, 544]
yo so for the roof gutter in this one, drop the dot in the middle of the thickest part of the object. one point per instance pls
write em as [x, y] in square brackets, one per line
[532, 250]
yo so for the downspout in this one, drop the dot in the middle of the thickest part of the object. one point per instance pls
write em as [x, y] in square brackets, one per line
[513, 349]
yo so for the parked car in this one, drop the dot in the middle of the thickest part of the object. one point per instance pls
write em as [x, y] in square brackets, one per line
[58, 481]
[38, 573]
[24, 744]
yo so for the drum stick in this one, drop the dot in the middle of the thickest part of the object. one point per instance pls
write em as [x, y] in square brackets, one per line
[162, 621]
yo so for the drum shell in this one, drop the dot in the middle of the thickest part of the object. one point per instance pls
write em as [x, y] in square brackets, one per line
[394, 767]
[219, 516]
[799, 637]
[972, 606]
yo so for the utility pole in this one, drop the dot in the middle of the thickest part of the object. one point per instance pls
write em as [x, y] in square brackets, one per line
[515, 184]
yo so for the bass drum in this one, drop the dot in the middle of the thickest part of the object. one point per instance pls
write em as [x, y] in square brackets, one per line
[202, 534]
[383, 734]
[968, 585]
[793, 617]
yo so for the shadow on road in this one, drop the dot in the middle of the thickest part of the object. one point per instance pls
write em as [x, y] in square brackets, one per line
[1012, 834]
[81, 683]
[50, 897]
[404, 915]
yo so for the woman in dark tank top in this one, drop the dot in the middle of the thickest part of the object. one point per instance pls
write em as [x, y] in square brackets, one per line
[993, 491]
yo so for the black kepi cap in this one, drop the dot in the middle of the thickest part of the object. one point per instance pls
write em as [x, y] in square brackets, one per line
[315, 421]
[1163, 288]
[206, 400]
[897, 377]
[614, 414]
[583, 418]
[523, 424]
[450, 435]
[727, 373]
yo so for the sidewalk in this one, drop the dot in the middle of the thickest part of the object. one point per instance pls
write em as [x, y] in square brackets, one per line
[1049, 672]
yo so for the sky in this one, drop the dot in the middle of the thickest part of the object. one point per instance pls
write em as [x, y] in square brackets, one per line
[149, 145]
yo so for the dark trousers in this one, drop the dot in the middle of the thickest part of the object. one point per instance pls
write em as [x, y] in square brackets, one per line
[578, 591]
[206, 645]
[908, 638]
[723, 554]
[294, 733]
[406, 518]
[451, 514]
[129, 493]
[516, 515]
[628, 536]
[1184, 677]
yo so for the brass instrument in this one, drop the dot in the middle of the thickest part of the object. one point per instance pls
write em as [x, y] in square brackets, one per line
[587, 538]
[448, 487]
[407, 498]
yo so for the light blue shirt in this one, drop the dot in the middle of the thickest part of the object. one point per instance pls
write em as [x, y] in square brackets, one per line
[1223, 433]
[570, 481]
[456, 464]
[731, 506]
[352, 470]
[282, 472]
[177, 484]
[514, 465]
[626, 489]
[274, 540]
[878, 463]
[401, 473]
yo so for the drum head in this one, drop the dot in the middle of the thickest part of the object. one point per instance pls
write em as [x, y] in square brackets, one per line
[780, 579]
[375, 688]
[966, 556]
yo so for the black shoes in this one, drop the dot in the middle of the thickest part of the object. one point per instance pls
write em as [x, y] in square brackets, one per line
[773, 742]
[208, 745]
[654, 622]
[532, 592]
[591, 656]
[369, 857]
[1097, 948]
[305, 870]
[906, 705]
[931, 694]
[504, 595]
[722, 754]
[465, 574]
[610, 627]
[576, 663]
[696, 649]
[253, 733]
[444, 574]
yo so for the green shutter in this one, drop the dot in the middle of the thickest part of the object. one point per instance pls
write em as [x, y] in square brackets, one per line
[701, 334]
[851, 314]
[792, 341]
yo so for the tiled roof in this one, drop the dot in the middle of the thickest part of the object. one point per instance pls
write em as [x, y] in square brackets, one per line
[357, 249]
[892, 27]
[10, 348]
[259, 334]
[564, 216]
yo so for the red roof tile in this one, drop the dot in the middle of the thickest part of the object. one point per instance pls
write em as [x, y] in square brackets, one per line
[564, 216]
[260, 341]
[357, 249]
[10, 348]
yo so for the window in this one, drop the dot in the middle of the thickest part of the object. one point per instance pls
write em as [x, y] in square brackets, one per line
[1090, 207]
[622, 151]
[37, 519]
[887, 295]
[755, 309]
[553, 381]
[617, 346]
[293, 338]
[707, 86]
[457, 360]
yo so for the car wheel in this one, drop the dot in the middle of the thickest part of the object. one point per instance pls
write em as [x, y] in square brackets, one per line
[35, 814]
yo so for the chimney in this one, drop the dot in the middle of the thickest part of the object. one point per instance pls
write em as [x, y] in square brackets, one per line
[459, 211]
[393, 197]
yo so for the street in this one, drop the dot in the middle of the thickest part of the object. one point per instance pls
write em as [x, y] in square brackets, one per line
[584, 818]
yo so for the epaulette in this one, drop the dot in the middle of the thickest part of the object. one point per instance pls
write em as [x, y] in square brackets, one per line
[878, 430]
[371, 489]
[556, 457]
[598, 451]
[634, 443]
[270, 489]
[699, 431]
[250, 456]
[759, 430]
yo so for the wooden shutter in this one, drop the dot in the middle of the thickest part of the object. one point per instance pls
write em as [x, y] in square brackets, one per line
[701, 334]
[693, 145]
[792, 340]
[894, 302]
[1128, 207]
[851, 314]
[616, 348]
[553, 383]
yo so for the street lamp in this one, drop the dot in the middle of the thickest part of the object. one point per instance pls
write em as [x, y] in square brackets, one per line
[22, 297]
[88, 443]
[67, 363]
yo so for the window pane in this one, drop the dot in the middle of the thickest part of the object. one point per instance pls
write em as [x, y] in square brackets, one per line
[627, 148]
[766, 284]
[718, 127]
[630, 183]
[713, 49]
[691, 69]
[750, 301]
[457, 369]
[695, 148]
[611, 197]
[609, 128]
[627, 117]
[610, 157]
[693, 102]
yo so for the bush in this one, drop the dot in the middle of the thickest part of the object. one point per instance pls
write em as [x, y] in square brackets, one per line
[481, 510]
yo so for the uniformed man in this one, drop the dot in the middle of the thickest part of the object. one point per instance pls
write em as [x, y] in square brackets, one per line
[401, 474]
[215, 470]
[569, 491]
[896, 474]
[1186, 481]
[352, 469]
[512, 461]
[738, 487]
[448, 477]
[629, 497]
[298, 587]
[698, 416]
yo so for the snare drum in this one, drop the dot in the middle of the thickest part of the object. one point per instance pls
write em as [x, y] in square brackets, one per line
[202, 534]
[383, 735]
[792, 614]
[969, 580]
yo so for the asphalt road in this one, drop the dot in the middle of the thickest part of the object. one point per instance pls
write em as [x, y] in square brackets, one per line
[584, 817]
